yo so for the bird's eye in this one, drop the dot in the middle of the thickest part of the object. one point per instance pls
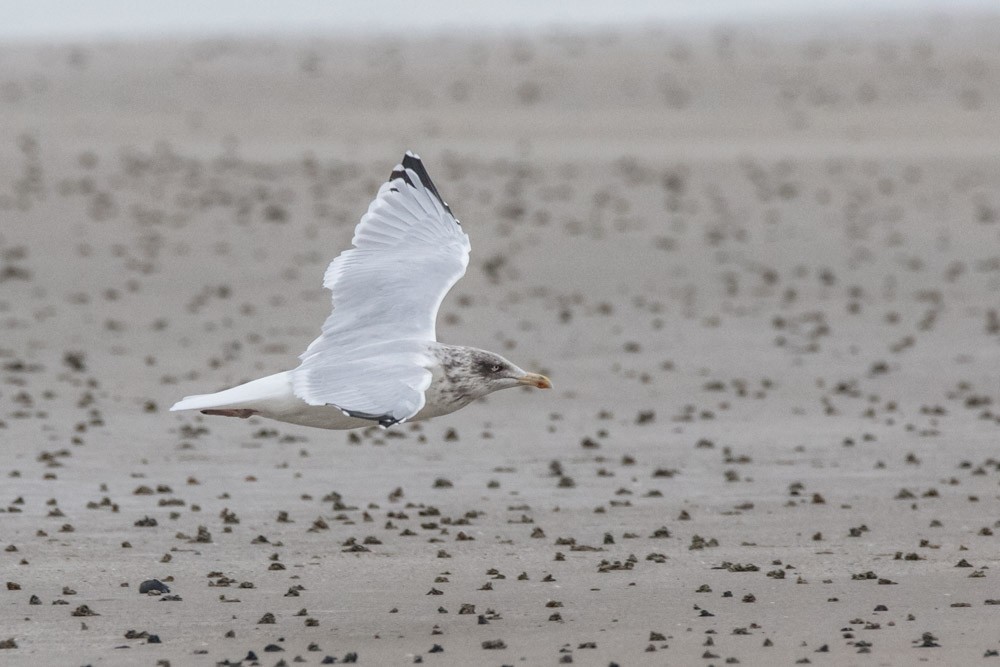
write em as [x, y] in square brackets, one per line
[495, 368]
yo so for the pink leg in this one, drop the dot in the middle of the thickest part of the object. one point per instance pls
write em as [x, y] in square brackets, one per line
[242, 413]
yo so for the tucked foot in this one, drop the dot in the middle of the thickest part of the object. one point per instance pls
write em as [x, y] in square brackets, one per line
[242, 413]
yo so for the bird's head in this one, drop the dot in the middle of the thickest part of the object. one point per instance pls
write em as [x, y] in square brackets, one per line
[494, 372]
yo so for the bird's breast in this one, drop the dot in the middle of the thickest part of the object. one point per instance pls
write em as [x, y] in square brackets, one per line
[444, 395]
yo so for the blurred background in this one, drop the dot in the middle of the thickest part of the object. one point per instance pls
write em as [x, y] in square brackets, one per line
[48, 19]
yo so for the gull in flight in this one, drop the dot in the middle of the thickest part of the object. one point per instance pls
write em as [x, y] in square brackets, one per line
[377, 360]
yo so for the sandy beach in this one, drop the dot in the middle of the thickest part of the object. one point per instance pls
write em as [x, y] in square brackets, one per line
[760, 263]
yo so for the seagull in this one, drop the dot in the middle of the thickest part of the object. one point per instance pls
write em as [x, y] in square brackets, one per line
[377, 360]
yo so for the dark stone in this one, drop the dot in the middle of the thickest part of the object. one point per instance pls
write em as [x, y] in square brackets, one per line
[153, 585]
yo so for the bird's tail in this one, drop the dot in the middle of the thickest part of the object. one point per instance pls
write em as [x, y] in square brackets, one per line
[245, 396]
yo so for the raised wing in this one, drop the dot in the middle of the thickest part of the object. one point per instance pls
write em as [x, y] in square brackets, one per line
[408, 251]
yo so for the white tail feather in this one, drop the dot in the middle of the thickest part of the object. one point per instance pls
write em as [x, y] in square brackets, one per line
[265, 390]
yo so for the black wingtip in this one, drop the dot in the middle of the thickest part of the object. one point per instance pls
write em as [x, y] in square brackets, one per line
[385, 421]
[411, 161]
[400, 173]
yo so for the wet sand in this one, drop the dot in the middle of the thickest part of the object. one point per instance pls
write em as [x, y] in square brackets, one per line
[759, 263]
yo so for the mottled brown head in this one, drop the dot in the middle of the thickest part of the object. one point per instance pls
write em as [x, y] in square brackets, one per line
[482, 372]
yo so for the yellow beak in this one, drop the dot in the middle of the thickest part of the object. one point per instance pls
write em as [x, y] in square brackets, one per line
[535, 380]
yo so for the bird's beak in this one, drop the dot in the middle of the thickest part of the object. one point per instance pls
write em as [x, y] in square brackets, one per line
[535, 380]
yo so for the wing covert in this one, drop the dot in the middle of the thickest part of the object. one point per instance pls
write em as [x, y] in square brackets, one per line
[386, 382]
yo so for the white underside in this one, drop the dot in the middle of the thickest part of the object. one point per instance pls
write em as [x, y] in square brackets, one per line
[273, 397]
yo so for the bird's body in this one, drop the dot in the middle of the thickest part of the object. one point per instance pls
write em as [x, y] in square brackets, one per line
[274, 396]
[378, 360]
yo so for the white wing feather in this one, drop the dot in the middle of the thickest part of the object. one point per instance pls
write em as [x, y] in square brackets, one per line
[408, 252]
[384, 382]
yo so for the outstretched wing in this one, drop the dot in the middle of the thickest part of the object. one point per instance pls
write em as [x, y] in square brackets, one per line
[408, 251]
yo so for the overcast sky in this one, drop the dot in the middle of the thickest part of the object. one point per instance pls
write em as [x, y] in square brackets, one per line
[47, 19]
